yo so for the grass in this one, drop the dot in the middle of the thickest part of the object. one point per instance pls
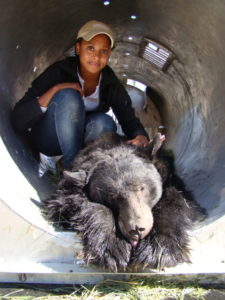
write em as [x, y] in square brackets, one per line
[134, 289]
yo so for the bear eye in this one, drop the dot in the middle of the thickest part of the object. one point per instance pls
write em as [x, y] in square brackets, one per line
[112, 195]
[141, 187]
[120, 199]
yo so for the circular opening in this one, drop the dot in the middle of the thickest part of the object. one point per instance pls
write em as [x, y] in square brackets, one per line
[191, 89]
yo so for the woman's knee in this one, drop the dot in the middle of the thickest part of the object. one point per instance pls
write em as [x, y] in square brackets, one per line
[69, 98]
[97, 124]
[104, 122]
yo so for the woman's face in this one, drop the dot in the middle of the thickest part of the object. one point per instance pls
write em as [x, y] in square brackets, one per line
[94, 54]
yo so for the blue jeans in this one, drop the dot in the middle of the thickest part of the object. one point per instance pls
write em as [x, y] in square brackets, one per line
[65, 127]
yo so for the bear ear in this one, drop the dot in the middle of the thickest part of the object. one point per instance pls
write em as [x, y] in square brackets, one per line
[156, 143]
[151, 150]
[78, 178]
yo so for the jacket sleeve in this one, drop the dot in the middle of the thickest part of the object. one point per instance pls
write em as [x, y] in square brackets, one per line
[122, 107]
[27, 112]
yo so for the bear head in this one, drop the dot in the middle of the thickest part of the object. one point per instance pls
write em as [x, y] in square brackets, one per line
[126, 183]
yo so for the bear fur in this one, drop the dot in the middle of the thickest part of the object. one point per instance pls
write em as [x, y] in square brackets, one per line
[128, 205]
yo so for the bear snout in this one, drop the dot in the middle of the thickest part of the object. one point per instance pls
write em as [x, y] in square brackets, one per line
[135, 224]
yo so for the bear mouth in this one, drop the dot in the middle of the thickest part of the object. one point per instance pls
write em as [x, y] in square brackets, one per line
[134, 242]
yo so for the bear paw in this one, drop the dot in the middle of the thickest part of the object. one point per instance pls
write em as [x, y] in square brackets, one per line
[159, 252]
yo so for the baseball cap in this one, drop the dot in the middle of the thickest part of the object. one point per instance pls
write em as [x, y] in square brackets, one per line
[93, 28]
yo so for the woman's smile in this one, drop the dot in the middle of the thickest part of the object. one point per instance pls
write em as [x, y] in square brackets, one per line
[94, 54]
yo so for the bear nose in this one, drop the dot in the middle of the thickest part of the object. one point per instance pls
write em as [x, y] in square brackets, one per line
[141, 229]
[137, 232]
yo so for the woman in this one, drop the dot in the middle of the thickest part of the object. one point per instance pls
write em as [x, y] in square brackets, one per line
[66, 106]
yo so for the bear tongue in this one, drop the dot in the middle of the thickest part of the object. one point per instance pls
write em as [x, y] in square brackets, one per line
[134, 243]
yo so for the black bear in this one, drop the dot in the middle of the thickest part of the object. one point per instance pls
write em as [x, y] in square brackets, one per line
[128, 204]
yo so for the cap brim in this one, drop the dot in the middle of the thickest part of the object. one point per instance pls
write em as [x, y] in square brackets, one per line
[87, 37]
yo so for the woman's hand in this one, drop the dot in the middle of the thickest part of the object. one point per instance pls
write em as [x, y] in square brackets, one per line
[70, 85]
[47, 96]
[139, 140]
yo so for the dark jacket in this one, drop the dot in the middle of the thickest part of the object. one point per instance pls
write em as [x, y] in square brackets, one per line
[27, 111]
